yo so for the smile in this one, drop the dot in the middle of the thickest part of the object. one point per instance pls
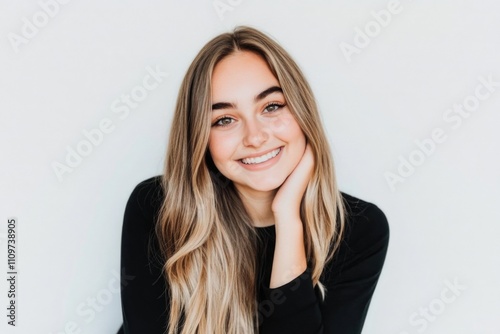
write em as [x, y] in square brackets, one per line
[261, 159]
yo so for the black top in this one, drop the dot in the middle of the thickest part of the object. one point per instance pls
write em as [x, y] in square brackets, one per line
[296, 307]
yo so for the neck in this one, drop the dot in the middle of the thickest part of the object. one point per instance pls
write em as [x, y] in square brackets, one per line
[258, 205]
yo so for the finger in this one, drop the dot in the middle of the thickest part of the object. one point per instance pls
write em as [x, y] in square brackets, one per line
[300, 176]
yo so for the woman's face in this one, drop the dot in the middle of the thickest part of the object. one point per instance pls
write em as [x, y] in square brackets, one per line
[254, 139]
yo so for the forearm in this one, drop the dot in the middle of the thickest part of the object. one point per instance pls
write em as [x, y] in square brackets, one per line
[289, 253]
[292, 306]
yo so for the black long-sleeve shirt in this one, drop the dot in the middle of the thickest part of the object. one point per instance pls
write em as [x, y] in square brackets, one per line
[295, 307]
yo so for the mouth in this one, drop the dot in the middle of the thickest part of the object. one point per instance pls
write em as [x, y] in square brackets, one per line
[262, 159]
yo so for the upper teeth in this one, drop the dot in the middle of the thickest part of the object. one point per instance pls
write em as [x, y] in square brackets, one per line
[262, 158]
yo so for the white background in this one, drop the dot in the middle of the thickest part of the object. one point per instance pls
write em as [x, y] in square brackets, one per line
[444, 217]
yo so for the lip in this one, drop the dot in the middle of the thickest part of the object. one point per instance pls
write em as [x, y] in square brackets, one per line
[263, 165]
[260, 154]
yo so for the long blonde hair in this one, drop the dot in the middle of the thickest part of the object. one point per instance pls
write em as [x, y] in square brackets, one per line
[207, 238]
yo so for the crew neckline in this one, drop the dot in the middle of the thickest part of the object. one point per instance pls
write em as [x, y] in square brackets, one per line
[269, 227]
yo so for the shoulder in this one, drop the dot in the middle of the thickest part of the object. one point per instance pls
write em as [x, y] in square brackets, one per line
[366, 224]
[149, 189]
[363, 248]
[143, 205]
[139, 221]
[146, 196]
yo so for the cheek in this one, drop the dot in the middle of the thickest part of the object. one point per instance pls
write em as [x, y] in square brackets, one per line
[283, 123]
[285, 126]
[220, 148]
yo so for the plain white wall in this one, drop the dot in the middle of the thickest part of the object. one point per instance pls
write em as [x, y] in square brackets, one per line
[379, 95]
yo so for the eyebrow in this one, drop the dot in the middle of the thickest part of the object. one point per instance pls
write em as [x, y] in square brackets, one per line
[260, 96]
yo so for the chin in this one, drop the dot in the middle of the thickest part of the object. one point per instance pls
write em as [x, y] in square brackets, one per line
[267, 186]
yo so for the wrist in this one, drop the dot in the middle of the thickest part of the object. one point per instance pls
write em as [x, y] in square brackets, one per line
[287, 216]
[288, 223]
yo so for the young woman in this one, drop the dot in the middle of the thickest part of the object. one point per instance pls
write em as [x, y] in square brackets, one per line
[246, 231]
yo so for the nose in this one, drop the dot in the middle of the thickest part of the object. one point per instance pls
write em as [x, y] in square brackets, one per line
[255, 133]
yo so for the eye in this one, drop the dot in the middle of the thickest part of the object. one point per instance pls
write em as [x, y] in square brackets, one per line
[222, 121]
[273, 106]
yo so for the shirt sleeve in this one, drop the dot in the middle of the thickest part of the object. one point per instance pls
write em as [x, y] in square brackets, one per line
[350, 279]
[354, 273]
[291, 308]
[143, 294]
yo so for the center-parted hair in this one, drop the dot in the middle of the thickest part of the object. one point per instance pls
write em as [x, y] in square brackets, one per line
[208, 243]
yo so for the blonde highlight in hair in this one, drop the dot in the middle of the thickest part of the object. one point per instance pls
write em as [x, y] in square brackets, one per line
[206, 236]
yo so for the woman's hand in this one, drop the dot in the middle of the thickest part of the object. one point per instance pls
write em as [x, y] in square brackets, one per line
[289, 253]
[286, 203]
